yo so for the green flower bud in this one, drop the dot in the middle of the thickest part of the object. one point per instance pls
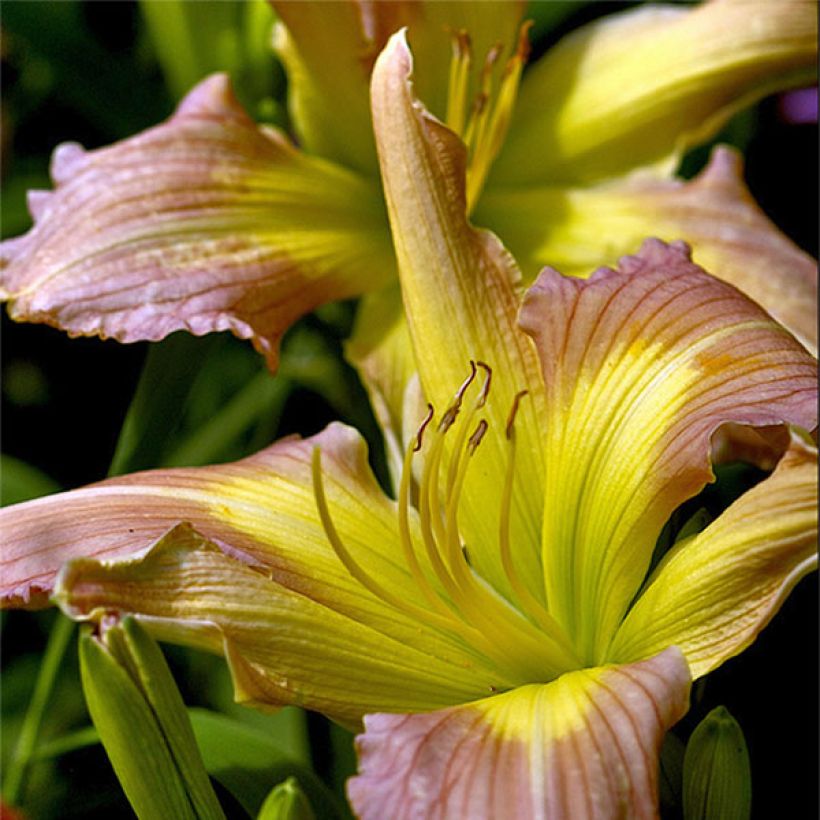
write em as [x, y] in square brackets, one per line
[717, 780]
[286, 802]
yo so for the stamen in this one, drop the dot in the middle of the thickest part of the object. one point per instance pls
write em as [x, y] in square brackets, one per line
[488, 126]
[478, 117]
[430, 521]
[459, 81]
[427, 419]
[485, 388]
[529, 604]
[475, 438]
[404, 527]
[416, 612]
[458, 447]
[494, 617]
[451, 413]
[510, 429]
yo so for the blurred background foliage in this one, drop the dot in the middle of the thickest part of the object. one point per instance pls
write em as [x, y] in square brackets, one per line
[95, 72]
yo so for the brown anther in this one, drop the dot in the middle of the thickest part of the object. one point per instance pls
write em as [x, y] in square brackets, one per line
[480, 102]
[485, 388]
[491, 59]
[522, 51]
[478, 434]
[461, 42]
[451, 413]
[419, 436]
[513, 411]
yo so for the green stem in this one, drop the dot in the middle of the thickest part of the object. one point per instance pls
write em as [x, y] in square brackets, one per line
[261, 396]
[58, 641]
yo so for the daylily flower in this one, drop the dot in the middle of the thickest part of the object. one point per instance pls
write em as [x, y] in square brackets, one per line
[208, 222]
[493, 627]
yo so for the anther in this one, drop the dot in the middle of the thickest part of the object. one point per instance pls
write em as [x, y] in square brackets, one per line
[485, 388]
[522, 51]
[478, 434]
[420, 435]
[451, 413]
[489, 63]
[513, 412]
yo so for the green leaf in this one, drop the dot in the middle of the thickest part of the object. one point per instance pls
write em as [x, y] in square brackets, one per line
[248, 763]
[20, 481]
[717, 779]
[131, 735]
[79, 739]
[170, 370]
[262, 396]
[193, 40]
[15, 774]
[286, 802]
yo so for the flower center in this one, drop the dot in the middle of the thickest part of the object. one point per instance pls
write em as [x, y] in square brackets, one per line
[483, 124]
[518, 635]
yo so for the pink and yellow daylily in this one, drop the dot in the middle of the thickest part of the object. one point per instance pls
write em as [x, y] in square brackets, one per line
[493, 627]
[210, 222]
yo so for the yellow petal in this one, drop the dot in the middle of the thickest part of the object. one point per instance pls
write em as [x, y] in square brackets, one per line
[204, 223]
[283, 647]
[584, 746]
[328, 56]
[714, 594]
[641, 367]
[576, 229]
[639, 88]
[459, 290]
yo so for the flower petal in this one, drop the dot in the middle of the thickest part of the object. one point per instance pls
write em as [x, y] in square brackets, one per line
[639, 88]
[328, 56]
[714, 594]
[329, 49]
[260, 510]
[641, 367]
[714, 213]
[204, 223]
[283, 647]
[584, 746]
[459, 290]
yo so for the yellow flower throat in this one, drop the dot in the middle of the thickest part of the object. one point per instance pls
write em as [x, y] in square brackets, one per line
[519, 636]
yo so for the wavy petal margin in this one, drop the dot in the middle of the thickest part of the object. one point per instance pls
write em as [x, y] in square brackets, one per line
[459, 287]
[637, 89]
[283, 647]
[714, 213]
[642, 365]
[714, 594]
[583, 746]
[204, 223]
[261, 511]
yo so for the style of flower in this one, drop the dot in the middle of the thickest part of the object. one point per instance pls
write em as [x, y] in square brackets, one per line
[209, 222]
[494, 626]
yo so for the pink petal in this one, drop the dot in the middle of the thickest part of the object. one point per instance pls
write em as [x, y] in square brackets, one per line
[204, 223]
[584, 746]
